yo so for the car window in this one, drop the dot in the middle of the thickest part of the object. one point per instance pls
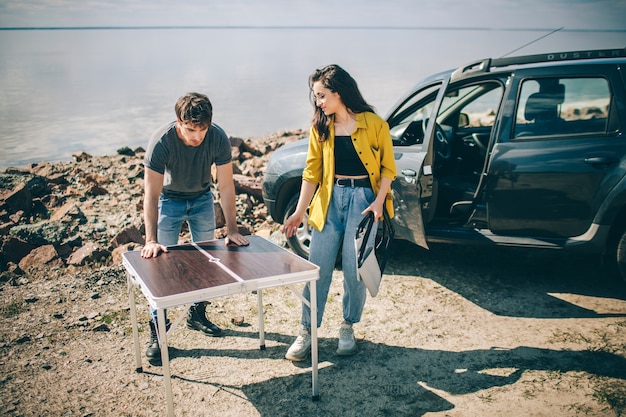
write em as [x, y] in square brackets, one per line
[562, 106]
[472, 106]
[407, 123]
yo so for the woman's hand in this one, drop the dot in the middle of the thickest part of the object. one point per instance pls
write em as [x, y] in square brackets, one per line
[290, 227]
[376, 208]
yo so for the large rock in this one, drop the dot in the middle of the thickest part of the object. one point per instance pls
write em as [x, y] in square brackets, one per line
[12, 177]
[128, 235]
[220, 220]
[248, 185]
[43, 233]
[81, 156]
[95, 189]
[120, 250]
[14, 249]
[90, 252]
[16, 200]
[42, 256]
[68, 213]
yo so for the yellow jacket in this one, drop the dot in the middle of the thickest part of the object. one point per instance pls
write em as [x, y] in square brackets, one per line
[375, 149]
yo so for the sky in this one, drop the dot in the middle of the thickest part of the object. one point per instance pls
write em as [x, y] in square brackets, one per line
[579, 15]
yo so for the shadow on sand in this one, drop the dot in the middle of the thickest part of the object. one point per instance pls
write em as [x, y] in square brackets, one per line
[384, 380]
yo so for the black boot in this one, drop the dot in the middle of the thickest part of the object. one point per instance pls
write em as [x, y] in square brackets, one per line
[154, 350]
[196, 320]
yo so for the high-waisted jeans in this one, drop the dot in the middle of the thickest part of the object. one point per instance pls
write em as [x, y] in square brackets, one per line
[344, 216]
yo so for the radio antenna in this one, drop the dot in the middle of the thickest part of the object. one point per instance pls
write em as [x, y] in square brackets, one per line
[533, 41]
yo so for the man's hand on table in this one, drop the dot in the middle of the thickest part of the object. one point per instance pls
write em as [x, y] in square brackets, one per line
[236, 239]
[152, 249]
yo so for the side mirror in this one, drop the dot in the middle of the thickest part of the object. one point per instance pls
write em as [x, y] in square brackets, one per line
[463, 120]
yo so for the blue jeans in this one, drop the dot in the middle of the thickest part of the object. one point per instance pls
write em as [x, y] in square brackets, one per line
[199, 215]
[344, 216]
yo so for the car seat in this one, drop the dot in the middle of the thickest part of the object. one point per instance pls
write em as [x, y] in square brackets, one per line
[542, 110]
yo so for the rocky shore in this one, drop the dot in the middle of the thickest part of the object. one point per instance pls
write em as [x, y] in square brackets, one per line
[85, 213]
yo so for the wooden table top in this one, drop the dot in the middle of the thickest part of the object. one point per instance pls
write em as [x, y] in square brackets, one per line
[193, 267]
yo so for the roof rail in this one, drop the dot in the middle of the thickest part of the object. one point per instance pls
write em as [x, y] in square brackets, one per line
[485, 65]
[482, 65]
[559, 56]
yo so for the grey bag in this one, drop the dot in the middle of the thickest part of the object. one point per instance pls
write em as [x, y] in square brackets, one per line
[371, 259]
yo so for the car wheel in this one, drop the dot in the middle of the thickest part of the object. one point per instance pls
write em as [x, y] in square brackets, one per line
[299, 242]
[621, 256]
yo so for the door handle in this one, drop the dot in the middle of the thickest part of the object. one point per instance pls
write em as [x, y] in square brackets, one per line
[410, 176]
[601, 160]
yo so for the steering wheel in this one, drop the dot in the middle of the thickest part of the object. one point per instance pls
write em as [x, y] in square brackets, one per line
[474, 141]
[442, 143]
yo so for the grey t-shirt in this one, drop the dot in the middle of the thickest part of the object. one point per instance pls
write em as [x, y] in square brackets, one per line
[186, 169]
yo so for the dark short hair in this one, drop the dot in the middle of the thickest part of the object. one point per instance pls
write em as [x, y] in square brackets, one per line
[194, 108]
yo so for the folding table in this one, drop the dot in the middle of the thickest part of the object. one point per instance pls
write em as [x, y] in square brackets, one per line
[196, 272]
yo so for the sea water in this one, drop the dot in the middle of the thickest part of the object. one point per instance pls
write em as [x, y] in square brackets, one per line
[97, 90]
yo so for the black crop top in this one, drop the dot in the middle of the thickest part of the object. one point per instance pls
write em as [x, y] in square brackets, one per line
[347, 161]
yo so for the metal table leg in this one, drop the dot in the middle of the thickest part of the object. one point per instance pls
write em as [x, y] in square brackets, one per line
[165, 361]
[259, 298]
[314, 359]
[133, 320]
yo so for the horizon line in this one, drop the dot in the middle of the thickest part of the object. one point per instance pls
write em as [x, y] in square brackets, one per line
[287, 27]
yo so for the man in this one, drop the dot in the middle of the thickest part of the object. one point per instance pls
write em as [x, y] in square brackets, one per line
[177, 189]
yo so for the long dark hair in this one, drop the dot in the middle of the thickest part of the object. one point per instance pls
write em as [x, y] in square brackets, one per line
[337, 80]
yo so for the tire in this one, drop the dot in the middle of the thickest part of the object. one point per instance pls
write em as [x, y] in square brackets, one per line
[621, 256]
[299, 242]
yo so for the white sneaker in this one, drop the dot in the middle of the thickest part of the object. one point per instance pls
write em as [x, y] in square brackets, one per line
[347, 343]
[299, 350]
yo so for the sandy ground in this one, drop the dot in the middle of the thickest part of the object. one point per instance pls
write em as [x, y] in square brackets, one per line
[454, 332]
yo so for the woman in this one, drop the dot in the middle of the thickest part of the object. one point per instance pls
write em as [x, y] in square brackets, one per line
[349, 169]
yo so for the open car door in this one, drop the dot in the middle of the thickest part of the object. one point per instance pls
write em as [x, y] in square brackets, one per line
[415, 188]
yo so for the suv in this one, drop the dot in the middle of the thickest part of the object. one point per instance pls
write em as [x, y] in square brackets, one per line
[524, 151]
